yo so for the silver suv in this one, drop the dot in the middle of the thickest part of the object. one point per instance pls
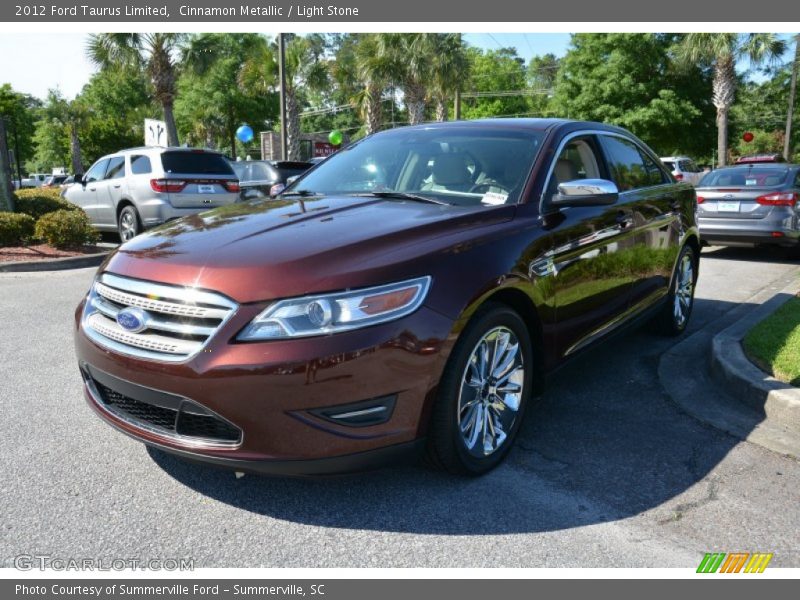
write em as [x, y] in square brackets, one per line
[139, 188]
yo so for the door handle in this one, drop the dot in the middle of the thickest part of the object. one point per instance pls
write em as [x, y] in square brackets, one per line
[624, 220]
[117, 186]
[92, 189]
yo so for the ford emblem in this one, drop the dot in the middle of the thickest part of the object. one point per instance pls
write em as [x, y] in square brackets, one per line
[133, 319]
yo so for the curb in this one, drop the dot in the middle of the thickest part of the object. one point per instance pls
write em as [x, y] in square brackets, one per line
[731, 368]
[55, 264]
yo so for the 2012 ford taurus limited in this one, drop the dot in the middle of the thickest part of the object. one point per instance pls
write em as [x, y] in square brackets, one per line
[408, 295]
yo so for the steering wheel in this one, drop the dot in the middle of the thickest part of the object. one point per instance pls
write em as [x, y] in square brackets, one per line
[486, 185]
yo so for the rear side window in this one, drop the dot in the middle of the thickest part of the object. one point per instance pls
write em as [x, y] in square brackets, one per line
[116, 168]
[140, 165]
[629, 168]
[205, 163]
[669, 164]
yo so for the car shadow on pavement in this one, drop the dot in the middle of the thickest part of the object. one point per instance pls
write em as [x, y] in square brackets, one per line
[604, 443]
[767, 254]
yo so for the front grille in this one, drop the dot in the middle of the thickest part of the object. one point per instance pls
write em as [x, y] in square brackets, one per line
[177, 321]
[183, 421]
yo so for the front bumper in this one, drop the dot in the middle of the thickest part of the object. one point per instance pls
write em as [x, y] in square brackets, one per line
[276, 392]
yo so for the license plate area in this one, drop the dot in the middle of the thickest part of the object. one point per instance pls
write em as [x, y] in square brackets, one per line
[205, 189]
[728, 206]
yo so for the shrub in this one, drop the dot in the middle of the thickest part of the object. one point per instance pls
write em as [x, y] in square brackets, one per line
[15, 228]
[66, 229]
[37, 202]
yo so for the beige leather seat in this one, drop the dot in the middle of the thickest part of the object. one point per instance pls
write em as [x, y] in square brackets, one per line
[450, 172]
[565, 170]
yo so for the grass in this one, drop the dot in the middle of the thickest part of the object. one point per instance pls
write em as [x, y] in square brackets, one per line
[774, 344]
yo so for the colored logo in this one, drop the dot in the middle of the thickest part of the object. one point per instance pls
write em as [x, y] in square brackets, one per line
[133, 319]
[735, 562]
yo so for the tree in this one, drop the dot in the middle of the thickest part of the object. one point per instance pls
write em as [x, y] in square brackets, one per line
[542, 72]
[787, 146]
[373, 70]
[408, 58]
[722, 51]
[449, 70]
[152, 53]
[19, 111]
[630, 80]
[212, 103]
[499, 71]
[305, 71]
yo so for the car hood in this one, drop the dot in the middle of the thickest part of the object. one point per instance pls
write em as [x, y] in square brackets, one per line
[256, 251]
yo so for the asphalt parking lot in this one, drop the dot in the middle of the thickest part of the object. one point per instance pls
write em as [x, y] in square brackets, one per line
[607, 471]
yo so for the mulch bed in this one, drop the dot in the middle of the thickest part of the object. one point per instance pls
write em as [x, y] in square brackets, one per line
[43, 252]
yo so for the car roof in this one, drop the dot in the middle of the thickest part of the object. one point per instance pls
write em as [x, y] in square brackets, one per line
[538, 124]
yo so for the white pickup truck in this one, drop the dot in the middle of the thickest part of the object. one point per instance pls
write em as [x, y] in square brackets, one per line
[34, 180]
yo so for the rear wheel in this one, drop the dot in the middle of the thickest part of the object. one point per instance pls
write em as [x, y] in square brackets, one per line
[128, 224]
[483, 393]
[674, 317]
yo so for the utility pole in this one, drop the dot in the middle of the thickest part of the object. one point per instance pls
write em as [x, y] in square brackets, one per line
[457, 106]
[282, 75]
[787, 143]
[6, 185]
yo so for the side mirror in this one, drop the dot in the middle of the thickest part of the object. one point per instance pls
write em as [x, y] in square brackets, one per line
[586, 192]
[276, 189]
[79, 179]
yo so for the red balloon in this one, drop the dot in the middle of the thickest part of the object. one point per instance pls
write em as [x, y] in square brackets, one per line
[748, 137]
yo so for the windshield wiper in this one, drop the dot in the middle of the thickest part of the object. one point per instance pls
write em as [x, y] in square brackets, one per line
[303, 193]
[406, 196]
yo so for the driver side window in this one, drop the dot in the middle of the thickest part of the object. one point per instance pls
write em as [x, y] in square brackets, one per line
[97, 172]
[577, 160]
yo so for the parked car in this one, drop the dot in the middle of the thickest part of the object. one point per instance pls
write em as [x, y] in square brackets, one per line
[54, 181]
[133, 190]
[750, 204]
[259, 178]
[409, 294]
[34, 180]
[66, 183]
[683, 168]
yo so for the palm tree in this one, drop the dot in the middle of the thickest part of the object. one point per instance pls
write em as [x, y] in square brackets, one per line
[154, 53]
[721, 51]
[373, 71]
[305, 70]
[408, 56]
[787, 144]
[449, 70]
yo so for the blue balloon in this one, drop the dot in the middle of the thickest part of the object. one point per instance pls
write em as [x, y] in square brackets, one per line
[244, 134]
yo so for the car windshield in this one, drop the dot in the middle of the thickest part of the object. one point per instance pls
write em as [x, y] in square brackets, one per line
[252, 171]
[757, 176]
[463, 166]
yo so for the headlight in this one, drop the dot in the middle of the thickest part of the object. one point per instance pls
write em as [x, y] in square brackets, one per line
[340, 311]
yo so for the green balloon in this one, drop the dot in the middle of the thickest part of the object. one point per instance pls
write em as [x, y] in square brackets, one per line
[335, 137]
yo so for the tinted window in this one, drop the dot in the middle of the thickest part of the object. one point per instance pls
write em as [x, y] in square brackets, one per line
[116, 168]
[655, 176]
[254, 171]
[746, 176]
[97, 172]
[206, 163]
[628, 169]
[140, 165]
[669, 164]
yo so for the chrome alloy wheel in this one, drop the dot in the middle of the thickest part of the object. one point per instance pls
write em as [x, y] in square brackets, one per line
[684, 290]
[127, 226]
[491, 392]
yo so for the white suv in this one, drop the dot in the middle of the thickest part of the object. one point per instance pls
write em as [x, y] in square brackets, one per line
[136, 189]
[683, 169]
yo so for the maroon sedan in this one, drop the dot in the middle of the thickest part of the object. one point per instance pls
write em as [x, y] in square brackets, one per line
[408, 295]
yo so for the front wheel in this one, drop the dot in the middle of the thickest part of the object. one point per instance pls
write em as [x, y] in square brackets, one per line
[128, 224]
[674, 317]
[483, 393]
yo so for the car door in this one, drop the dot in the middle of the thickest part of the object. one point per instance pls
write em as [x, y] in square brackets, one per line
[109, 192]
[590, 277]
[85, 194]
[655, 203]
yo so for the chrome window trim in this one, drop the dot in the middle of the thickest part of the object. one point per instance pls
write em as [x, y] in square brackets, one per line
[595, 132]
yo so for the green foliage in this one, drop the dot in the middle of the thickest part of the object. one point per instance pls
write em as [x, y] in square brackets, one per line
[20, 112]
[15, 228]
[774, 343]
[66, 229]
[630, 79]
[495, 71]
[37, 202]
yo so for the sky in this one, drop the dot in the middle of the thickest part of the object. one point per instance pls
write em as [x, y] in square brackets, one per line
[33, 63]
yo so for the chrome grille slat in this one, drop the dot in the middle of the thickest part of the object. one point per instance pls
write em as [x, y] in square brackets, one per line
[179, 321]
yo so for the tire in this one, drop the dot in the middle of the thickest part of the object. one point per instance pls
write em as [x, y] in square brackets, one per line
[674, 316]
[128, 224]
[464, 400]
